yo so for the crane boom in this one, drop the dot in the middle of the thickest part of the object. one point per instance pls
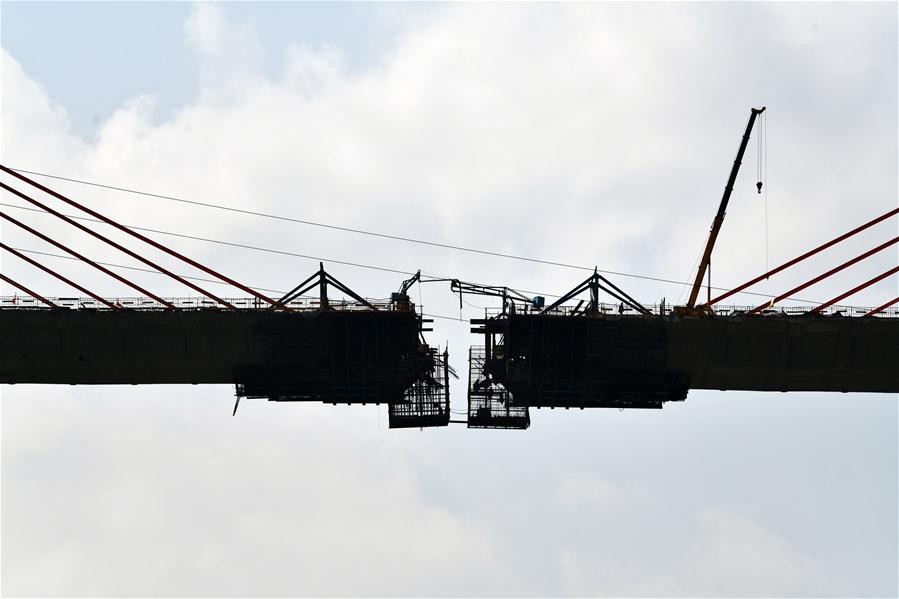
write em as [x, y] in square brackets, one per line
[722, 208]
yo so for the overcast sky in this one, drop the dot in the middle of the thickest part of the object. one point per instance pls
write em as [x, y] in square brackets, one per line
[588, 134]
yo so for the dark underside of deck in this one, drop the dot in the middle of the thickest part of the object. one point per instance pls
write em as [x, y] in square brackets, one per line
[642, 362]
[349, 356]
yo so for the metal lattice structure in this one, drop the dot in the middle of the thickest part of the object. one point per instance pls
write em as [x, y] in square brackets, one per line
[426, 401]
[489, 403]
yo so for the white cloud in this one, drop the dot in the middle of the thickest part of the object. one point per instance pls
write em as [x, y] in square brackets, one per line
[229, 55]
[583, 133]
[732, 554]
[249, 510]
[33, 128]
[207, 29]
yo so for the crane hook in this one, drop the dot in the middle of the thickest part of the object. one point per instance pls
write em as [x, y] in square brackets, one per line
[759, 186]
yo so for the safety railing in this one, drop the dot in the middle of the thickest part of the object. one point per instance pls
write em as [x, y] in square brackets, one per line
[184, 303]
[24, 302]
[489, 404]
[663, 309]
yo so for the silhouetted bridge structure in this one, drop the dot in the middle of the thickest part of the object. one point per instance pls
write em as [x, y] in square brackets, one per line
[356, 351]
[351, 353]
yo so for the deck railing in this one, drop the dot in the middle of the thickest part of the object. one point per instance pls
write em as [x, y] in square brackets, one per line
[182, 303]
[312, 304]
[724, 310]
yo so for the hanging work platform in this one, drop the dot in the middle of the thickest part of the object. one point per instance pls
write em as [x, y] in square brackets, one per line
[426, 401]
[489, 403]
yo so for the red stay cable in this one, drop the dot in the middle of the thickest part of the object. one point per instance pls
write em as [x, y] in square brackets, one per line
[834, 241]
[27, 290]
[143, 238]
[830, 272]
[88, 260]
[883, 307]
[116, 245]
[855, 290]
[52, 272]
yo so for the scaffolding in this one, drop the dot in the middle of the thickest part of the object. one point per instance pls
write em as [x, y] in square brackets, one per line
[426, 402]
[489, 403]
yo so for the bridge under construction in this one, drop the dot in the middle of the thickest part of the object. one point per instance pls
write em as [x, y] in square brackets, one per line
[308, 345]
[352, 354]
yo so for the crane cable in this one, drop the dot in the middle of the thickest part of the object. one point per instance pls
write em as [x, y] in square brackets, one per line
[762, 173]
[765, 158]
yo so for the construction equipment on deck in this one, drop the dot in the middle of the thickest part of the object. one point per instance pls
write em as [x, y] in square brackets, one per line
[705, 262]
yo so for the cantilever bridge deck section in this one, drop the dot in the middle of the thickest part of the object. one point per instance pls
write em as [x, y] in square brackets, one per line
[635, 361]
[557, 359]
[343, 355]
[787, 353]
